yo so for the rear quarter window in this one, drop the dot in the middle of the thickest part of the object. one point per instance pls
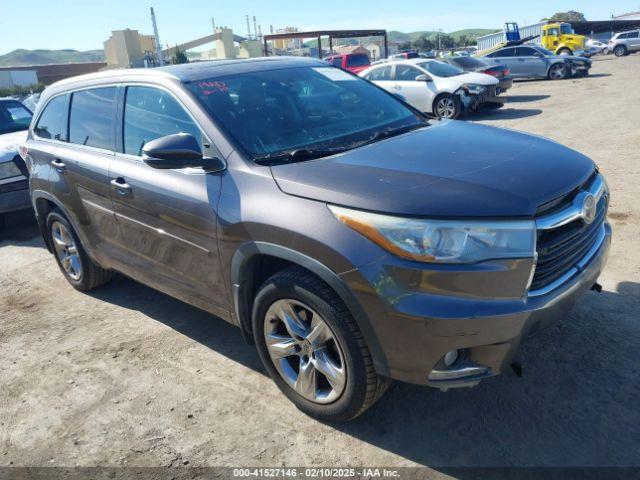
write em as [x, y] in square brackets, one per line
[52, 123]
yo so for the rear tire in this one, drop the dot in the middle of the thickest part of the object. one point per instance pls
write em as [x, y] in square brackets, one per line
[295, 293]
[620, 51]
[80, 271]
[447, 106]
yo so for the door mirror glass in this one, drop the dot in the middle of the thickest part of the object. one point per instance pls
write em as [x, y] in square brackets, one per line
[180, 150]
[423, 78]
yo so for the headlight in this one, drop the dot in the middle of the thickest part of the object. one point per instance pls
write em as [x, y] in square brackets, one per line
[473, 89]
[8, 170]
[443, 241]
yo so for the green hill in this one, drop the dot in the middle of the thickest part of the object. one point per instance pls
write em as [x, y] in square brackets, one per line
[474, 32]
[21, 57]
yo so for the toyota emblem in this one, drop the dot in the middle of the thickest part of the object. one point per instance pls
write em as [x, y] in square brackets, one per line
[589, 208]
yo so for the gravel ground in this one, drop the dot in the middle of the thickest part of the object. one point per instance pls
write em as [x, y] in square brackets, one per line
[128, 376]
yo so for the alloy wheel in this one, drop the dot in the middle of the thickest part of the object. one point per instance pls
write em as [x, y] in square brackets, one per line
[558, 71]
[305, 351]
[446, 107]
[66, 250]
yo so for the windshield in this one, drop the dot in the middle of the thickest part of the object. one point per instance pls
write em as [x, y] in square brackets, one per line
[319, 108]
[357, 60]
[566, 29]
[13, 116]
[440, 69]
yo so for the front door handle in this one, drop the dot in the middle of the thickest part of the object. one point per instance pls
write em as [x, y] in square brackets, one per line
[121, 186]
[58, 165]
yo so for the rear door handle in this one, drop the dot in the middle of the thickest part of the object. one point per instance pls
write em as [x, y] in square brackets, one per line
[121, 186]
[58, 165]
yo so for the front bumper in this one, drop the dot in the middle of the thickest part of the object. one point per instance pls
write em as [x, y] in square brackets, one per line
[14, 195]
[416, 328]
[579, 69]
[504, 85]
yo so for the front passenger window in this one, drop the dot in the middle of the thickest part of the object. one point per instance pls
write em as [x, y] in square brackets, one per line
[151, 113]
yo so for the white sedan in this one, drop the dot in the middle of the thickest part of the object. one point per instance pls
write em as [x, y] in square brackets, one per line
[434, 87]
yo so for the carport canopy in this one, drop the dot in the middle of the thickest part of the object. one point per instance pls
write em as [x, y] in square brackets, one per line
[318, 34]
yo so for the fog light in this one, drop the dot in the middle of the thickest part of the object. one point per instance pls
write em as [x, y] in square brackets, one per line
[450, 358]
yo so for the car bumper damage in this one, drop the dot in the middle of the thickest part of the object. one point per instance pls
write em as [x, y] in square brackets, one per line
[419, 330]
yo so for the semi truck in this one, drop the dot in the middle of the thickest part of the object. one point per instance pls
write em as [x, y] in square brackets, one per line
[558, 37]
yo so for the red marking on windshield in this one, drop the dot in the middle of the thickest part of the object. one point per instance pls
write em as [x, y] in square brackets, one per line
[209, 88]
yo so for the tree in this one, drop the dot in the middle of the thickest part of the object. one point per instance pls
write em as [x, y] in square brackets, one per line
[570, 16]
[404, 46]
[179, 57]
[424, 43]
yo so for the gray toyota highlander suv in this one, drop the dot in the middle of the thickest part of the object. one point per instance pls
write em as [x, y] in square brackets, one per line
[349, 238]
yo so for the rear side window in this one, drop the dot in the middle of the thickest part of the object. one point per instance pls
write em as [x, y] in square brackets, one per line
[380, 74]
[52, 124]
[151, 113]
[525, 52]
[92, 117]
[507, 52]
[632, 35]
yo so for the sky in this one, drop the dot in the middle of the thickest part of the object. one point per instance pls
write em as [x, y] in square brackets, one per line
[84, 25]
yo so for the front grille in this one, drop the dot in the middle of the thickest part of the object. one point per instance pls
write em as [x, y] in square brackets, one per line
[561, 249]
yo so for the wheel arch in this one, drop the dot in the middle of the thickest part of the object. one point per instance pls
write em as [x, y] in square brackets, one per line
[247, 273]
[43, 203]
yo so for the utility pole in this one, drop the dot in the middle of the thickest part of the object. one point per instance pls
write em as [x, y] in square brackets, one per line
[248, 28]
[255, 28]
[213, 25]
[159, 57]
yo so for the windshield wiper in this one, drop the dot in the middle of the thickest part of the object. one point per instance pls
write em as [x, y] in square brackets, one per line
[392, 132]
[297, 154]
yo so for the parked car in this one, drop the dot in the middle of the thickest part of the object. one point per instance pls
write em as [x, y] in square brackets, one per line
[352, 62]
[597, 47]
[14, 186]
[624, 43]
[532, 61]
[434, 87]
[31, 101]
[346, 235]
[471, 64]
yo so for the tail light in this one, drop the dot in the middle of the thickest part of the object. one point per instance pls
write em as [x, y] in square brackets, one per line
[492, 72]
[506, 72]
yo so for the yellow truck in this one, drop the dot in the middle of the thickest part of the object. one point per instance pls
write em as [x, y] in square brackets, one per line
[557, 37]
[561, 39]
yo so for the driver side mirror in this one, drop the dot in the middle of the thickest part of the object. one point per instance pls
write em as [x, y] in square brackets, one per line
[423, 78]
[180, 150]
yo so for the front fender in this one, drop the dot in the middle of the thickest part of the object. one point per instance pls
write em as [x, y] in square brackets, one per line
[241, 274]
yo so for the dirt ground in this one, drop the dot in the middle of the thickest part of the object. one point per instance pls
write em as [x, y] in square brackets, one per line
[128, 376]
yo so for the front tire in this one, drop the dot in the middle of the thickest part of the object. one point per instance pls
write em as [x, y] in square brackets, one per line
[620, 51]
[76, 266]
[565, 51]
[312, 347]
[558, 71]
[447, 106]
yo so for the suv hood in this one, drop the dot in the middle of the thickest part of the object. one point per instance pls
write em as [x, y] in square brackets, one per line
[449, 169]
